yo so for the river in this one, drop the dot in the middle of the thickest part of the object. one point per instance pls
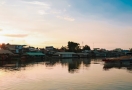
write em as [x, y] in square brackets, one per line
[65, 74]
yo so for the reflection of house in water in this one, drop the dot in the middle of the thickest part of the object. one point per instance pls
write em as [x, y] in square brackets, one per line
[108, 66]
[19, 64]
[13, 65]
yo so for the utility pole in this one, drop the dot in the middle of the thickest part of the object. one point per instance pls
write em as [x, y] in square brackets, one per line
[82, 44]
[93, 46]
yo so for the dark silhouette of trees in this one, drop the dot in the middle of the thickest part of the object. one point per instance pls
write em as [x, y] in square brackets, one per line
[86, 47]
[63, 48]
[73, 46]
[130, 49]
[3, 46]
[8, 44]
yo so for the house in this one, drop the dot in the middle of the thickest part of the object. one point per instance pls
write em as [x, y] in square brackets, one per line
[2, 51]
[33, 56]
[83, 55]
[17, 49]
[66, 54]
[49, 48]
[86, 51]
[34, 53]
[127, 52]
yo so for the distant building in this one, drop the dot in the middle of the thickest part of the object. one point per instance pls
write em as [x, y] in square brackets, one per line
[66, 54]
[86, 51]
[118, 50]
[2, 51]
[96, 48]
[49, 48]
[127, 52]
[17, 49]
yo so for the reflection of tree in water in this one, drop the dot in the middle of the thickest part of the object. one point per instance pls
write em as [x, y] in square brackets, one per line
[74, 66]
[86, 62]
[65, 62]
[108, 66]
[51, 63]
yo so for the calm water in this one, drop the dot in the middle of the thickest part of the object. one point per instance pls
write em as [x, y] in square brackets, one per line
[66, 74]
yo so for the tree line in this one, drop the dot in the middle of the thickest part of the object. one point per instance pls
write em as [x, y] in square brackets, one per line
[74, 47]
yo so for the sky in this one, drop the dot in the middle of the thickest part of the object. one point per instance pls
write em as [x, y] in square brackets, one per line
[39, 23]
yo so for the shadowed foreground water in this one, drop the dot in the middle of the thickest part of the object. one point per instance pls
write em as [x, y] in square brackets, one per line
[66, 74]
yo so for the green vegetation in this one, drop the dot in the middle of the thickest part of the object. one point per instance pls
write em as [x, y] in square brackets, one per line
[86, 47]
[74, 47]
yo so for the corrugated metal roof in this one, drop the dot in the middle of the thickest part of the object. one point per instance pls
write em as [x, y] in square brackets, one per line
[34, 53]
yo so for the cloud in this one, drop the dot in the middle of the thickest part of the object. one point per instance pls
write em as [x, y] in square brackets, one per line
[55, 11]
[69, 5]
[42, 12]
[38, 3]
[2, 3]
[16, 35]
[67, 18]
[0, 29]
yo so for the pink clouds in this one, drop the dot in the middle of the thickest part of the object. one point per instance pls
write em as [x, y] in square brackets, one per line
[16, 35]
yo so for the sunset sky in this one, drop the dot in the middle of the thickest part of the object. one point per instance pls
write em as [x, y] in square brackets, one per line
[97, 23]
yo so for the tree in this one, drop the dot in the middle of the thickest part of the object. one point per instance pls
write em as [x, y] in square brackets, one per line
[63, 48]
[8, 44]
[130, 49]
[3, 46]
[73, 46]
[86, 47]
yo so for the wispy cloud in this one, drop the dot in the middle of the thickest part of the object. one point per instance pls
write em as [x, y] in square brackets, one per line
[69, 5]
[55, 11]
[2, 3]
[38, 3]
[67, 18]
[16, 35]
[42, 7]
[42, 12]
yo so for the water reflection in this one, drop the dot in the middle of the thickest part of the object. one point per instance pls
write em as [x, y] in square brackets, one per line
[108, 66]
[73, 65]
[51, 63]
